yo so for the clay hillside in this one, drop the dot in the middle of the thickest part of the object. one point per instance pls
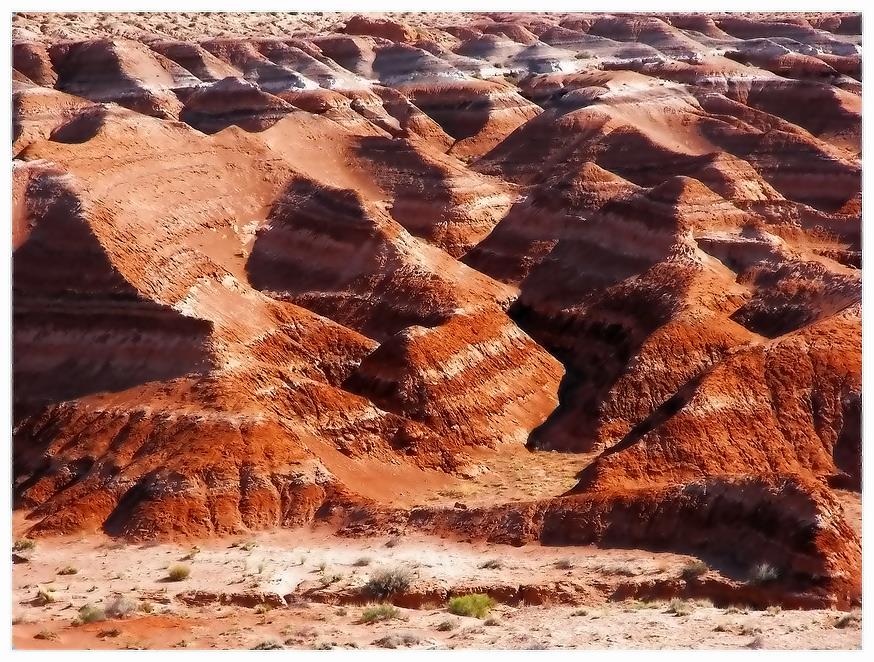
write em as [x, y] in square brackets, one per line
[509, 278]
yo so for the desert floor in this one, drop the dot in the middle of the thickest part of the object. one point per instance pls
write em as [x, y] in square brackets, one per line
[280, 563]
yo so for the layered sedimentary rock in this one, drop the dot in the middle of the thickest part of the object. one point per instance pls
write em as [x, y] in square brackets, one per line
[267, 270]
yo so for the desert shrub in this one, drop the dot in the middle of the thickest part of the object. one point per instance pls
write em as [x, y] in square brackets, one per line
[267, 646]
[580, 612]
[491, 564]
[46, 635]
[385, 583]
[693, 570]
[564, 564]
[848, 620]
[90, 614]
[393, 542]
[23, 545]
[44, 596]
[583, 55]
[477, 605]
[491, 621]
[446, 626]
[178, 572]
[361, 562]
[120, 607]
[680, 607]
[763, 573]
[381, 612]
[147, 607]
[67, 570]
[262, 608]
[399, 639]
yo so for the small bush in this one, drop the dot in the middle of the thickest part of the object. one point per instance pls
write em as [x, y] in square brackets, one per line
[24, 545]
[90, 614]
[763, 573]
[361, 562]
[848, 620]
[446, 626]
[46, 635]
[393, 542]
[580, 612]
[110, 632]
[248, 546]
[477, 605]
[44, 596]
[680, 607]
[491, 621]
[491, 564]
[194, 551]
[147, 607]
[385, 583]
[564, 564]
[262, 608]
[268, 646]
[178, 572]
[396, 640]
[693, 570]
[67, 570]
[381, 612]
[120, 607]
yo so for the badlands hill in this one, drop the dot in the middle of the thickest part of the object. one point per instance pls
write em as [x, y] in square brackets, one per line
[277, 269]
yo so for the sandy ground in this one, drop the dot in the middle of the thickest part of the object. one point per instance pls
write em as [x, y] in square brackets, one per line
[282, 562]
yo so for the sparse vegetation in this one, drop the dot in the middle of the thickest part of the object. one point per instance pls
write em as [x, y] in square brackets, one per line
[270, 645]
[446, 626]
[23, 545]
[46, 635]
[89, 614]
[680, 607]
[109, 632]
[385, 583]
[68, 570]
[580, 612]
[851, 619]
[583, 55]
[362, 562]
[178, 572]
[194, 551]
[491, 564]
[694, 570]
[248, 546]
[763, 573]
[262, 608]
[393, 542]
[477, 605]
[380, 612]
[399, 639]
[564, 564]
[491, 621]
[44, 596]
[147, 607]
[120, 607]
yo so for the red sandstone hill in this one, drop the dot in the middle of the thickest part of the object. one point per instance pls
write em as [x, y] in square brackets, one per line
[265, 274]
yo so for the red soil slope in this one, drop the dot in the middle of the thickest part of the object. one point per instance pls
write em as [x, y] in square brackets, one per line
[266, 271]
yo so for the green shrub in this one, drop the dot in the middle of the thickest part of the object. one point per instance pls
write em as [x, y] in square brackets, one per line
[381, 612]
[178, 572]
[385, 583]
[477, 605]
[23, 545]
